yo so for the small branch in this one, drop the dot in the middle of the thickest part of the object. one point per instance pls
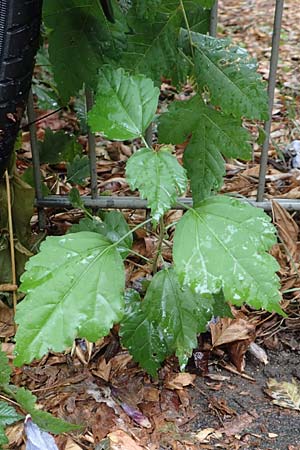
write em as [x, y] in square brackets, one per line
[11, 241]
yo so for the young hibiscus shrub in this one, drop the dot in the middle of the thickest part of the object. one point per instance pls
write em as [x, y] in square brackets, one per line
[75, 285]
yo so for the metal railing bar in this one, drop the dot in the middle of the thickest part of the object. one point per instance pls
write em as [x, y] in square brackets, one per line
[271, 92]
[92, 147]
[35, 160]
[106, 202]
[213, 20]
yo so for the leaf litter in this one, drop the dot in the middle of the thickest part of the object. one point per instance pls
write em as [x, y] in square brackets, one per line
[101, 387]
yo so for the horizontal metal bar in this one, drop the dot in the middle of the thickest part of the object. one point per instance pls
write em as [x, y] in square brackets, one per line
[105, 202]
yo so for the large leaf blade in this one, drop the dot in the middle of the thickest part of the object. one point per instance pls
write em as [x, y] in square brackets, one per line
[81, 38]
[222, 244]
[158, 176]
[74, 286]
[125, 105]
[153, 45]
[167, 321]
[213, 134]
[230, 76]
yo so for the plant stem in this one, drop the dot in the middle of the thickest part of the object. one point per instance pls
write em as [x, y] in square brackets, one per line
[11, 240]
[160, 241]
[140, 225]
[139, 255]
[187, 27]
[144, 141]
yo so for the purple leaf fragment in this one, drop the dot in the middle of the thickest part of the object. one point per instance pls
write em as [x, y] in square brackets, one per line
[136, 415]
[36, 438]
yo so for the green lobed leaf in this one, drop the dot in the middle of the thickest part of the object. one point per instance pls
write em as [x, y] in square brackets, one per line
[78, 170]
[5, 370]
[223, 244]
[230, 75]
[81, 41]
[58, 146]
[153, 45]
[142, 337]
[8, 414]
[167, 321]
[43, 419]
[158, 176]
[114, 227]
[124, 106]
[212, 134]
[74, 286]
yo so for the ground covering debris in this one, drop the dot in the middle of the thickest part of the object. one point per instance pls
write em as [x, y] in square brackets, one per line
[242, 386]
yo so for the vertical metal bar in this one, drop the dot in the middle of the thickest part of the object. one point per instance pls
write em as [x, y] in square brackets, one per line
[213, 20]
[271, 91]
[92, 147]
[35, 160]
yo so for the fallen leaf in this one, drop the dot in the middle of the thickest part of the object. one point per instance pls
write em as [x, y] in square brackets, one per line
[203, 434]
[284, 394]
[6, 321]
[237, 425]
[71, 445]
[228, 330]
[180, 380]
[259, 353]
[119, 440]
[287, 228]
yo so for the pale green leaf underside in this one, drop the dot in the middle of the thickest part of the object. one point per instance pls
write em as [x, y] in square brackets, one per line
[158, 176]
[74, 289]
[213, 134]
[125, 105]
[231, 77]
[222, 244]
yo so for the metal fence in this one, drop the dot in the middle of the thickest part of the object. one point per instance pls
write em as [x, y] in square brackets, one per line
[110, 202]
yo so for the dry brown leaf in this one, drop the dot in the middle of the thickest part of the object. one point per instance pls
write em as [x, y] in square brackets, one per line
[284, 394]
[228, 330]
[180, 380]
[71, 445]
[287, 228]
[6, 321]
[237, 350]
[202, 435]
[103, 369]
[119, 440]
[237, 425]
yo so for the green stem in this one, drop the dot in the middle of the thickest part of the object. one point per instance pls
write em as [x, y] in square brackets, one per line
[144, 141]
[160, 241]
[140, 225]
[187, 27]
[139, 255]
